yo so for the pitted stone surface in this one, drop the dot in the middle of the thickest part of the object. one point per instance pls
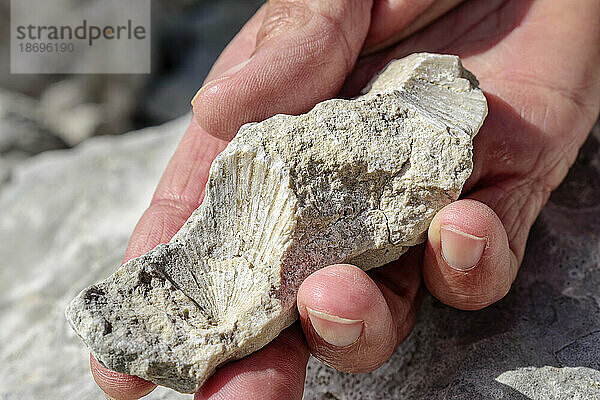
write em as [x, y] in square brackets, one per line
[351, 181]
[540, 337]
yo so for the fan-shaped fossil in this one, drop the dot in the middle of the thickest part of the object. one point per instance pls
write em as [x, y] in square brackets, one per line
[354, 181]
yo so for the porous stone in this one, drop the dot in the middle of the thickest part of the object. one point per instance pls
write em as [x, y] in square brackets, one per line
[353, 181]
[53, 243]
[65, 221]
[554, 383]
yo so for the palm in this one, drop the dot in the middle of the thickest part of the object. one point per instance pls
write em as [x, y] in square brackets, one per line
[540, 109]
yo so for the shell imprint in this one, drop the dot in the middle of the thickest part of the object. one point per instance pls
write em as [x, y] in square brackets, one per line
[352, 181]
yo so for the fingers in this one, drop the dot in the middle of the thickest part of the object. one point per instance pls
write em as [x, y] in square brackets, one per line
[468, 262]
[346, 319]
[394, 20]
[119, 386]
[350, 322]
[275, 372]
[303, 52]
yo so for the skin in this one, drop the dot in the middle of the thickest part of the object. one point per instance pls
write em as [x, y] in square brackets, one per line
[537, 64]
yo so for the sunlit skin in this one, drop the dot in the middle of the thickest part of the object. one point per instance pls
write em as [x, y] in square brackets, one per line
[537, 62]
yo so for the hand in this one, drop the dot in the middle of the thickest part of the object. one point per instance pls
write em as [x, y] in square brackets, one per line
[537, 63]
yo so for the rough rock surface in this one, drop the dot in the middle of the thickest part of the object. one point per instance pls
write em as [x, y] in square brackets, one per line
[351, 181]
[539, 337]
[542, 341]
[65, 221]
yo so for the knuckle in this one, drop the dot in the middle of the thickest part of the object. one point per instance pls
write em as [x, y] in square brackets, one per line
[327, 21]
[475, 294]
[283, 16]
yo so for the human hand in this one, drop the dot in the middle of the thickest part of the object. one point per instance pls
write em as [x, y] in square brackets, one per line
[537, 63]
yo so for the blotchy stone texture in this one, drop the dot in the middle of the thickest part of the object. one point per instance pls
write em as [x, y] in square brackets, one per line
[540, 337]
[65, 221]
[353, 181]
[542, 341]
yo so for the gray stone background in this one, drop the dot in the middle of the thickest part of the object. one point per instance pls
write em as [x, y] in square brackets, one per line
[70, 195]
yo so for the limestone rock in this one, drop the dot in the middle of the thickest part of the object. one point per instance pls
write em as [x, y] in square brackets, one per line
[66, 218]
[53, 243]
[353, 181]
[554, 383]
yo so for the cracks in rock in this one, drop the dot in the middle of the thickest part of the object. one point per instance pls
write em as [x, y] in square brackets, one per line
[556, 353]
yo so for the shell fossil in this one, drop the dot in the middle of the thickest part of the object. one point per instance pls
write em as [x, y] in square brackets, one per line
[354, 181]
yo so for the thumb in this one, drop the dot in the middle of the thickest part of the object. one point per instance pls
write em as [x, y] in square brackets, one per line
[475, 245]
[303, 52]
[469, 263]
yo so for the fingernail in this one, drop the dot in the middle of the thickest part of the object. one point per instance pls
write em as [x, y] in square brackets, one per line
[335, 330]
[461, 250]
[227, 74]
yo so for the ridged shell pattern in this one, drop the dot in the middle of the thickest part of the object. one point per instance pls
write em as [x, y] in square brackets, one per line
[244, 248]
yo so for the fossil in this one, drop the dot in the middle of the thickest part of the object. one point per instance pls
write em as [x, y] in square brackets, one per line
[351, 181]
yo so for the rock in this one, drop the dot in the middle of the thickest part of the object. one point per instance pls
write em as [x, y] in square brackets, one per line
[82, 106]
[52, 245]
[554, 383]
[542, 336]
[66, 218]
[351, 181]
